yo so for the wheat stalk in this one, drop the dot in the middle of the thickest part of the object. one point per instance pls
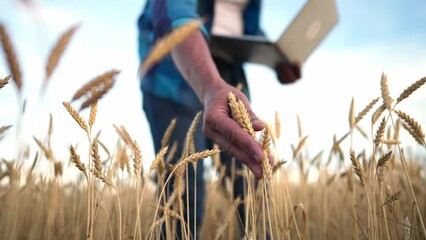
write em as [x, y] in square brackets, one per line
[93, 110]
[351, 114]
[122, 132]
[4, 81]
[376, 115]
[200, 155]
[387, 99]
[45, 150]
[76, 116]
[379, 133]
[277, 125]
[266, 167]
[414, 128]
[299, 146]
[98, 94]
[158, 162]
[75, 158]
[137, 159]
[58, 50]
[412, 88]
[240, 114]
[366, 110]
[168, 133]
[357, 167]
[165, 45]
[11, 58]
[98, 82]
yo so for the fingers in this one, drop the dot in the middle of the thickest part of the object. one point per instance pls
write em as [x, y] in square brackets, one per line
[288, 73]
[235, 141]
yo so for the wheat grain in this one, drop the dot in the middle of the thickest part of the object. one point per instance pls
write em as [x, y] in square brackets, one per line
[299, 146]
[98, 82]
[384, 159]
[137, 159]
[122, 132]
[357, 167]
[4, 81]
[200, 155]
[158, 162]
[277, 125]
[240, 114]
[93, 110]
[387, 100]
[165, 45]
[189, 141]
[11, 58]
[392, 198]
[415, 128]
[351, 114]
[366, 110]
[96, 160]
[412, 88]
[379, 133]
[45, 150]
[168, 132]
[76, 116]
[98, 94]
[58, 50]
[75, 158]
[376, 115]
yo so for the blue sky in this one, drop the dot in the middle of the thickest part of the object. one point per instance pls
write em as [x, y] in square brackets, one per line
[371, 37]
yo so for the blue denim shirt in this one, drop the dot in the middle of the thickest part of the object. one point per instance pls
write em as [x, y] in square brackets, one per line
[161, 16]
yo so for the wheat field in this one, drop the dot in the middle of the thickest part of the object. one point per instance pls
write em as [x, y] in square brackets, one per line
[357, 194]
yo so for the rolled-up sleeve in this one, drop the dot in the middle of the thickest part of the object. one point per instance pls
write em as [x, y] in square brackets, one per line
[171, 14]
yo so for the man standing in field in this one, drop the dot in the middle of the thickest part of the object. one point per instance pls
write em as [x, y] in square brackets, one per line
[191, 80]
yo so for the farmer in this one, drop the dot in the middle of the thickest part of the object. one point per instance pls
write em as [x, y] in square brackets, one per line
[191, 80]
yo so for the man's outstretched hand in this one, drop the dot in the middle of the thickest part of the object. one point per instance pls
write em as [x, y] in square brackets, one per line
[288, 73]
[226, 132]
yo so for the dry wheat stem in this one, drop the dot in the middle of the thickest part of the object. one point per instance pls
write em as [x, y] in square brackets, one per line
[376, 115]
[387, 99]
[98, 81]
[412, 88]
[11, 58]
[76, 116]
[58, 50]
[4, 81]
[165, 45]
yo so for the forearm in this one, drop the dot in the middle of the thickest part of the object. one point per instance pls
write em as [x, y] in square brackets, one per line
[194, 61]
